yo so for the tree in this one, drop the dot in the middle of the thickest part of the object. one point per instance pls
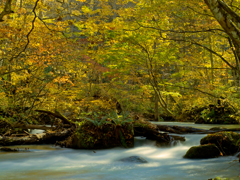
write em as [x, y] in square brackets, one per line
[230, 22]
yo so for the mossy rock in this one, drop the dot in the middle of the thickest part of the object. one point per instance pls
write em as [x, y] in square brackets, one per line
[142, 126]
[222, 113]
[89, 136]
[203, 151]
[219, 178]
[189, 115]
[227, 142]
[217, 120]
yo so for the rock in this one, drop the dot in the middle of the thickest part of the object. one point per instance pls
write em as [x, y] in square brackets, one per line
[134, 159]
[221, 113]
[5, 149]
[203, 151]
[217, 128]
[89, 136]
[227, 142]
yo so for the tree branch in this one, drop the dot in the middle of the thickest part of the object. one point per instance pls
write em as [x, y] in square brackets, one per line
[235, 17]
[7, 10]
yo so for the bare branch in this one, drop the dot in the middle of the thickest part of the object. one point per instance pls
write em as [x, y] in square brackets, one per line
[28, 41]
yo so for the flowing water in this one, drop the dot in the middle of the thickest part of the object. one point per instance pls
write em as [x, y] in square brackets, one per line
[165, 163]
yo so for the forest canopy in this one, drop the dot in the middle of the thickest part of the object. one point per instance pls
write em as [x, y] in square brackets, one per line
[154, 57]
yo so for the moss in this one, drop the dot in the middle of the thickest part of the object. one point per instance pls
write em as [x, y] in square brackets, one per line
[227, 142]
[145, 124]
[219, 178]
[203, 151]
[89, 136]
[233, 136]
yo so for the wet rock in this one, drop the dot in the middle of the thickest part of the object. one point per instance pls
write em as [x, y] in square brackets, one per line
[134, 159]
[150, 131]
[227, 142]
[203, 151]
[217, 128]
[5, 149]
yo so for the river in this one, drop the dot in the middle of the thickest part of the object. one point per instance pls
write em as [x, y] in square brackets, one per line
[165, 163]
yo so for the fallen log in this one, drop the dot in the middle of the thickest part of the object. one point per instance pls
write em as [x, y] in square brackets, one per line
[186, 129]
[152, 134]
[42, 138]
[224, 129]
[7, 149]
[180, 129]
[25, 126]
[57, 114]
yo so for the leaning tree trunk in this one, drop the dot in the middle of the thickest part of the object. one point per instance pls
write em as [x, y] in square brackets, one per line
[229, 20]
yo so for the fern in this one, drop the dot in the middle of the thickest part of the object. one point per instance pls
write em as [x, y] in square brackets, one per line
[120, 119]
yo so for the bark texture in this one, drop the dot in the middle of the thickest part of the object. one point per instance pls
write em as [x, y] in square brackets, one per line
[228, 19]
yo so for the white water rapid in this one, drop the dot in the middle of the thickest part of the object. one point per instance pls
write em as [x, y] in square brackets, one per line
[46, 162]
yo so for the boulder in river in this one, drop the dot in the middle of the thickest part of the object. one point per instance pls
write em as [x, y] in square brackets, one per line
[227, 142]
[134, 159]
[89, 136]
[203, 151]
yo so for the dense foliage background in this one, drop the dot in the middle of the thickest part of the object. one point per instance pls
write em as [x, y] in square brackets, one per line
[152, 58]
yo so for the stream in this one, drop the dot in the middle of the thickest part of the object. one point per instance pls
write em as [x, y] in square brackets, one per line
[165, 163]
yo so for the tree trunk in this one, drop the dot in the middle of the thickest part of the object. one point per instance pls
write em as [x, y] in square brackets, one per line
[43, 138]
[228, 19]
[211, 56]
[156, 113]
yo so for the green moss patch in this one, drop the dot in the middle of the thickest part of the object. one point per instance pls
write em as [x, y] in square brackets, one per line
[227, 142]
[89, 136]
[203, 151]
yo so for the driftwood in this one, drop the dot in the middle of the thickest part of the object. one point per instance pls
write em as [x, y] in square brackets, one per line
[185, 129]
[24, 126]
[57, 114]
[42, 138]
[181, 129]
[6, 149]
[153, 134]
